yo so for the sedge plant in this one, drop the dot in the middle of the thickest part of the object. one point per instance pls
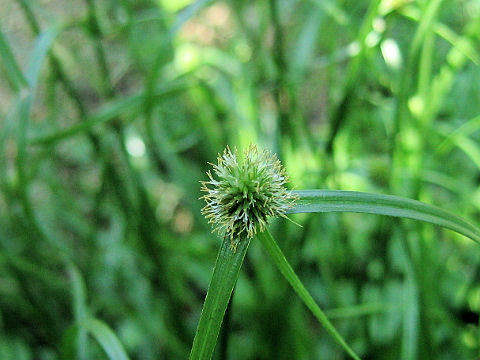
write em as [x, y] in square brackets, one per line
[248, 189]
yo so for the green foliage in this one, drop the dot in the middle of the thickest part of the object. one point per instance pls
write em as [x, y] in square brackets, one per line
[110, 111]
[225, 275]
[349, 201]
[277, 256]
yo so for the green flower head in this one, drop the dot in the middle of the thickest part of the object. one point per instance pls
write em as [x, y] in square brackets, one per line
[247, 192]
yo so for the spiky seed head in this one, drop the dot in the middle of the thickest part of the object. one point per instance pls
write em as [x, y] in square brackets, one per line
[245, 193]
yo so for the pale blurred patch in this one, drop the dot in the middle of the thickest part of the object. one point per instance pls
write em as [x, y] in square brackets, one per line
[213, 26]
[183, 221]
[391, 54]
[135, 146]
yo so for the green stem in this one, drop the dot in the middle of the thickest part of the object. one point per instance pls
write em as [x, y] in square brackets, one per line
[280, 93]
[340, 113]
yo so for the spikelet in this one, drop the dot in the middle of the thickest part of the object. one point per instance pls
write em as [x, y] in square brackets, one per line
[245, 193]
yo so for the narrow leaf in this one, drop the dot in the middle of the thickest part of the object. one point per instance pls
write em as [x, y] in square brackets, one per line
[282, 264]
[12, 69]
[106, 338]
[79, 310]
[107, 113]
[23, 110]
[360, 202]
[225, 274]
[43, 44]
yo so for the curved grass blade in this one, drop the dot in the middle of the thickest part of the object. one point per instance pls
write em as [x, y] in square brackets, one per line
[360, 202]
[461, 43]
[100, 331]
[225, 274]
[282, 264]
[107, 113]
[43, 44]
[106, 338]
[454, 137]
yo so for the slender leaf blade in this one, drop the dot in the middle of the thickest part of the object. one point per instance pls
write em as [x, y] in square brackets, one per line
[26, 99]
[225, 274]
[352, 201]
[12, 69]
[79, 309]
[107, 113]
[43, 44]
[106, 338]
[282, 264]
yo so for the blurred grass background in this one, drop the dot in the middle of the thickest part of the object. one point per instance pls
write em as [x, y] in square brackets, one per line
[110, 111]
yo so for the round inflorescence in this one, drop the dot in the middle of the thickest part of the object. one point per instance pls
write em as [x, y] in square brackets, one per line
[246, 193]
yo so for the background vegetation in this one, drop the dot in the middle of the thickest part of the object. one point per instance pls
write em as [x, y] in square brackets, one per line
[110, 111]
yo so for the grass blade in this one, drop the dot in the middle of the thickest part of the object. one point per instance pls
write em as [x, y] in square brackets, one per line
[106, 338]
[457, 136]
[461, 43]
[43, 44]
[282, 264]
[225, 274]
[12, 69]
[360, 202]
[107, 113]
[79, 310]
[25, 103]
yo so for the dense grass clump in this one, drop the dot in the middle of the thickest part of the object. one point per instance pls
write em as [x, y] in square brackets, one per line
[110, 112]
